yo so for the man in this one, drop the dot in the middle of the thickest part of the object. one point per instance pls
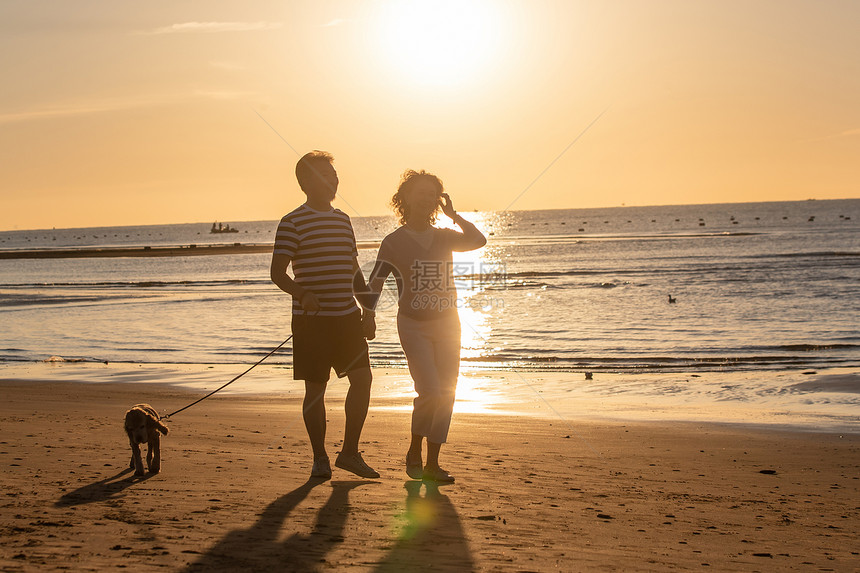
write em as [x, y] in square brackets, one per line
[326, 322]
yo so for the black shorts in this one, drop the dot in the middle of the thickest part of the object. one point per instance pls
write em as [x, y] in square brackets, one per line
[321, 343]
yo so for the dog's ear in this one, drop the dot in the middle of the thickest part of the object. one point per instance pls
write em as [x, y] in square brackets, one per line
[161, 427]
[154, 422]
[127, 421]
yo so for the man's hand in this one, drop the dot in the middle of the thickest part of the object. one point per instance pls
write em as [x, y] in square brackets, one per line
[368, 326]
[309, 302]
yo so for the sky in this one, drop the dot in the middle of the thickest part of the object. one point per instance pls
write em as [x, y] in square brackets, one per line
[123, 113]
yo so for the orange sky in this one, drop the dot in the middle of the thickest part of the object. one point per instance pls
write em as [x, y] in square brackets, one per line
[116, 113]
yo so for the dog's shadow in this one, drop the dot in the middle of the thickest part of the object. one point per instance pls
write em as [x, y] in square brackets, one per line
[103, 489]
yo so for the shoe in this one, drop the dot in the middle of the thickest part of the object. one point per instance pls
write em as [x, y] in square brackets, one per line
[355, 464]
[437, 474]
[321, 468]
[414, 466]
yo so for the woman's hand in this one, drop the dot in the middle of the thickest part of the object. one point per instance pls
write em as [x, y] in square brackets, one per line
[448, 206]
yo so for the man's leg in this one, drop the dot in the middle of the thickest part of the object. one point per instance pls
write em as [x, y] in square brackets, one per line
[357, 402]
[313, 412]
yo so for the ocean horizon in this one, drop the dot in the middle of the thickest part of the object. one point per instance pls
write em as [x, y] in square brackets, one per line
[238, 224]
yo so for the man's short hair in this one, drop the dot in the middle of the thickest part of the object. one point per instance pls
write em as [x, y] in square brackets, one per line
[307, 172]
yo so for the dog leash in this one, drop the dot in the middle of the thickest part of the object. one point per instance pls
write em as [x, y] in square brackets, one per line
[278, 347]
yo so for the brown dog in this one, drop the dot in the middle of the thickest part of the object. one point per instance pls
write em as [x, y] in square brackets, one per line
[142, 425]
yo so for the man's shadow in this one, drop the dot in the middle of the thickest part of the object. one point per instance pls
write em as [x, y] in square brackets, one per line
[431, 538]
[257, 548]
[101, 490]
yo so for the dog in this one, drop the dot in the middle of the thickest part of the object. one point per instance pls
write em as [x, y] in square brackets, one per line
[142, 425]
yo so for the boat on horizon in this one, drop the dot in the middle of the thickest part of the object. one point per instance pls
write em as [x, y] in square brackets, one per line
[222, 228]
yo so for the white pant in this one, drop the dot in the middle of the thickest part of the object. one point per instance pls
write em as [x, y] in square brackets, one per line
[432, 349]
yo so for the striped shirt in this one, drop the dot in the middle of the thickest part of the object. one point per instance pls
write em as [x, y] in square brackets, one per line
[322, 250]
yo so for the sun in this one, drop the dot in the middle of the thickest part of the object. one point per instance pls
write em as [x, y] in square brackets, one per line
[441, 42]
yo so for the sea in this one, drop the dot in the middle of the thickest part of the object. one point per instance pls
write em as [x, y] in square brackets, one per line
[745, 313]
[756, 286]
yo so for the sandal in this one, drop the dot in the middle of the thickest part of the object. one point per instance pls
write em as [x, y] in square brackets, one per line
[414, 467]
[438, 475]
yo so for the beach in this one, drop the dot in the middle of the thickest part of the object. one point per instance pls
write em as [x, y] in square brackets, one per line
[535, 491]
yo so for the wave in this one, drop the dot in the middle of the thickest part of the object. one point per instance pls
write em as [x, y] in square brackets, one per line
[775, 357]
[494, 278]
[59, 359]
[664, 364]
[584, 238]
[811, 347]
[584, 364]
[7, 301]
[499, 275]
[813, 254]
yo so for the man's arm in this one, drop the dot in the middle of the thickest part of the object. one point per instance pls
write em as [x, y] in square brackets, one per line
[359, 288]
[278, 273]
[365, 300]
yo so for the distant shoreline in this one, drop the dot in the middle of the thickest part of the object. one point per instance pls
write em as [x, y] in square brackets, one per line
[147, 251]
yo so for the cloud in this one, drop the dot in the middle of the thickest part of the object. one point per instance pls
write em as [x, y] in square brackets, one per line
[82, 108]
[213, 27]
[335, 22]
[79, 108]
[840, 135]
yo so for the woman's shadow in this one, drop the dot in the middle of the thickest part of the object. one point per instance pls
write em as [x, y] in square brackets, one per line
[257, 548]
[431, 538]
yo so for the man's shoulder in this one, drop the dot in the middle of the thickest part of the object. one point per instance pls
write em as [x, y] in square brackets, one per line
[298, 211]
[305, 212]
[341, 215]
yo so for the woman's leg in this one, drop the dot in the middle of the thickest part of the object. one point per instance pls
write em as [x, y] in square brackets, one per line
[433, 455]
[414, 461]
[432, 351]
[446, 357]
[418, 348]
[415, 446]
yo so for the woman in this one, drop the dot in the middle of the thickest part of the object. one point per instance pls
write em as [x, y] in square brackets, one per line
[420, 257]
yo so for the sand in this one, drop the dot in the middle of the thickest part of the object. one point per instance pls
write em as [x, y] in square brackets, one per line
[532, 493]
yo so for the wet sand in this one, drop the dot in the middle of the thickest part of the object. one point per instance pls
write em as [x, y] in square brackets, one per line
[532, 493]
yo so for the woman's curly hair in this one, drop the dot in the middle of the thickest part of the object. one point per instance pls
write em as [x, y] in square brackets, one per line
[408, 180]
